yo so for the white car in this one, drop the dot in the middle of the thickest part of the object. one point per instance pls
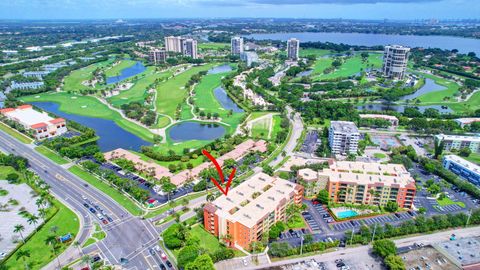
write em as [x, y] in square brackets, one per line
[2, 255]
[244, 262]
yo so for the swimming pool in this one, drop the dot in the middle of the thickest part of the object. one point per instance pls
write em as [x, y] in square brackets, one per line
[347, 214]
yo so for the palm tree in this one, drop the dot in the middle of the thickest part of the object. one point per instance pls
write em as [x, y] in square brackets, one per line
[52, 240]
[86, 260]
[42, 212]
[22, 254]
[210, 197]
[19, 228]
[78, 246]
[32, 219]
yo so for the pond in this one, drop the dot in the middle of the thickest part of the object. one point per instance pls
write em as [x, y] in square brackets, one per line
[463, 45]
[401, 108]
[226, 101]
[430, 86]
[220, 69]
[305, 73]
[127, 73]
[111, 135]
[187, 131]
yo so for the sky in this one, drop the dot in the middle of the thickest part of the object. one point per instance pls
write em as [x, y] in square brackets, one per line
[347, 9]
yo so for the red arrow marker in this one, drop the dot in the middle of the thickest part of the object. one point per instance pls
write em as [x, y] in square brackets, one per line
[220, 174]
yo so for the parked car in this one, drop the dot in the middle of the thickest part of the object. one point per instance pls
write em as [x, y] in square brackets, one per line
[169, 264]
[163, 256]
[104, 221]
[162, 267]
[244, 262]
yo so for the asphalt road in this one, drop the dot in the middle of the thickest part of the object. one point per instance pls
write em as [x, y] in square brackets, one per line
[127, 236]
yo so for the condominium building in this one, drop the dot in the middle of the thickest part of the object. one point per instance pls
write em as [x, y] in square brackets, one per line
[361, 183]
[157, 56]
[457, 142]
[395, 58]
[26, 85]
[293, 47]
[173, 44]
[36, 74]
[390, 118]
[343, 137]
[462, 168]
[237, 45]
[41, 124]
[189, 48]
[250, 209]
[249, 57]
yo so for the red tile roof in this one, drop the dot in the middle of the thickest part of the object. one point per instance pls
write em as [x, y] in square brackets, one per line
[26, 106]
[57, 121]
[39, 125]
[7, 110]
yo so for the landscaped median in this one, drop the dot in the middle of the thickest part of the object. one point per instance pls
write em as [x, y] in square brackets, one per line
[19, 136]
[115, 194]
[170, 205]
[51, 155]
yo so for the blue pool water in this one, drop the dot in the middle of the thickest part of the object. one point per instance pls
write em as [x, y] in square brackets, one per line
[127, 73]
[347, 214]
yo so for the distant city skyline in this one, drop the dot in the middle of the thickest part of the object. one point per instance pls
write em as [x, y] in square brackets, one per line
[347, 9]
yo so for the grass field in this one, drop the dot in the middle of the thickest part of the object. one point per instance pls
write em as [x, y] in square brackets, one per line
[351, 66]
[17, 135]
[320, 65]
[474, 157]
[91, 107]
[138, 91]
[6, 170]
[261, 128]
[51, 155]
[73, 82]
[277, 120]
[213, 46]
[173, 92]
[316, 52]
[255, 115]
[379, 155]
[116, 195]
[296, 222]
[40, 253]
[447, 201]
[177, 202]
[116, 70]
[439, 96]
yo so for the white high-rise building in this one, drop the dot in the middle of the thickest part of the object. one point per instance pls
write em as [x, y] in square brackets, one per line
[189, 48]
[157, 56]
[343, 137]
[395, 60]
[293, 47]
[237, 45]
[173, 44]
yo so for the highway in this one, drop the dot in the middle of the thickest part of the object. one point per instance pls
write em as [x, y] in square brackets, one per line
[127, 236]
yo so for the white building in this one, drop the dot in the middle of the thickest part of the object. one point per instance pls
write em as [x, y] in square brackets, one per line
[395, 60]
[467, 121]
[249, 57]
[458, 142]
[26, 85]
[343, 137]
[237, 45]
[189, 48]
[293, 47]
[173, 44]
[157, 56]
[35, 74]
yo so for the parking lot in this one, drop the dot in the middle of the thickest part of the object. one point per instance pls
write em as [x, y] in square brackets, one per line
[310, 143]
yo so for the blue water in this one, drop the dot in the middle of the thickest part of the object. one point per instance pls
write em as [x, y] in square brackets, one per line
[463, 45]
[430, 86]
[401, 108]
[305, 73]
[347, 214]
[111, 135]
[226, 101]
[127, 73]
[220, 69]
[186, 131]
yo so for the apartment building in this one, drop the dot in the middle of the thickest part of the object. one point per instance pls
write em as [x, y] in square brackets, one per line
[189, 48]
[395, 58]
[456, 142]
[467, 121]
[362, 183]
[390, 118]
[462, 168]
[250, 209]
[26, 85]
[249, 57]
[293, 48]
[41, 124]
[157, 56]
[173, 44]
[236, 45]
[343, 137]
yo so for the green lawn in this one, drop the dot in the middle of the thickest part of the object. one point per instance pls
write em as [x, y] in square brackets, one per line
[177, 202]
[6, 170]
[116, 195]
[207, 241]
[213, 46]
[447, 201]
[379, 155]
[316, 52]
[116, 70]
[40, 253]
[173, 92]
[439, 96]
[255, 115]
[320, 65]
[296, 222]
[17, 135]
[351, 66]
[91, 107]
[73, 82]
[260, 128]
[277, 120]
[97, 235]
[51, 155]
[138, 91]
[473, 157]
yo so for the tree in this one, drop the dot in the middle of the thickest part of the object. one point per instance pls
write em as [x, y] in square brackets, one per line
[434, 189]
[439, 145]
[23, 254]
[323, 196]
[202, 262]
[86, 260]
[394, 262]
[384, 247]
[464, 152]
[32, 219]
[19, 228]
[186, 255]
[51, 240]
[167, 186]
[391, 206]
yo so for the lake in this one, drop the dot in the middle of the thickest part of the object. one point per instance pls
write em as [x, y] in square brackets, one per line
[187, 131]
[401, 108]
[111, 135]
[127, 73]
[463, 45]
[220, 69]
[429, 86]
[226, 102]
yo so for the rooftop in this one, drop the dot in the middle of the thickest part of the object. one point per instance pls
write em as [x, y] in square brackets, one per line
[465, 163]
[26, 115]
[458, 138]
[381, 116]
[462, 250]
[253, 199]
[344, 126]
